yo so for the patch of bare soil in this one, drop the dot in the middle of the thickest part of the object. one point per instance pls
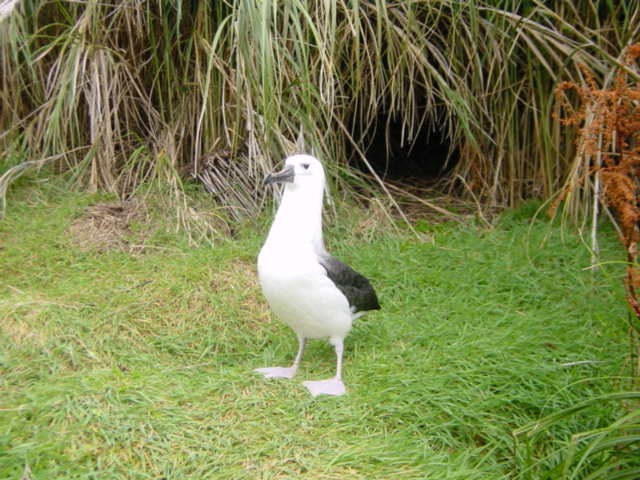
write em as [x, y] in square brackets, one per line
[107, 226]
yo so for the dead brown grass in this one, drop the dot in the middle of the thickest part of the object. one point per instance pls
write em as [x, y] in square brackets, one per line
[230, 183]
[107, 226]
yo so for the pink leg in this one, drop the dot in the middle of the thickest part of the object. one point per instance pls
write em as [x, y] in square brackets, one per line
[331, 386]
[285, 372]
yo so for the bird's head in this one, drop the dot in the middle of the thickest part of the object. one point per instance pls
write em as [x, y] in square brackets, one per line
[299, 171]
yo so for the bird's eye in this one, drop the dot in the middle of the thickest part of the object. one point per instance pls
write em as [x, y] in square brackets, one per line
[305, 166]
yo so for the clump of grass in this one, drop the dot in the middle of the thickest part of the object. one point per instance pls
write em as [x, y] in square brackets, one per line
[139, 365]
[160, 86]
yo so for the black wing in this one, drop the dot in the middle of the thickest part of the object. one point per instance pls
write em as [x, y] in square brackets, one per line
[354, 286]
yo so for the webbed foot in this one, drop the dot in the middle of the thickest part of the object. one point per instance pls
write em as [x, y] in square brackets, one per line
[332, 386]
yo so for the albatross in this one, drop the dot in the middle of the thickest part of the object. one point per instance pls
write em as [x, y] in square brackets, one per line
[314, 293]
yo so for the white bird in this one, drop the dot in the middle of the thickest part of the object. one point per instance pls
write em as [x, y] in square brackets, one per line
[313, 292]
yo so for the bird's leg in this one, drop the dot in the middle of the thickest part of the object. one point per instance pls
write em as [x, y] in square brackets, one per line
[296, 361]
[332, 386]
[339, 345]
[285, 372]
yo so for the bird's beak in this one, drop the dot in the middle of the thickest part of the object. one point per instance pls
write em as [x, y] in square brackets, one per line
[285, 175]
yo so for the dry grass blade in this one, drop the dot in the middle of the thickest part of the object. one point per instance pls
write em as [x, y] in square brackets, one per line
[230, 184]
[15, 172]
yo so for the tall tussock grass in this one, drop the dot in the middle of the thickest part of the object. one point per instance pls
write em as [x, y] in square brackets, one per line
[130, 93]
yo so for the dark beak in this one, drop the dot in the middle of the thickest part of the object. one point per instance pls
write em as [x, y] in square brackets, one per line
[285, 175]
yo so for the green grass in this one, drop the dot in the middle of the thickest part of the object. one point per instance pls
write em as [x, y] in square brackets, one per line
[140, 366]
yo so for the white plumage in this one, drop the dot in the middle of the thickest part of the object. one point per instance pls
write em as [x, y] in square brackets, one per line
[314, 293]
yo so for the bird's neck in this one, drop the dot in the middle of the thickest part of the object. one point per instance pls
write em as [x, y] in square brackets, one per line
[298, 222]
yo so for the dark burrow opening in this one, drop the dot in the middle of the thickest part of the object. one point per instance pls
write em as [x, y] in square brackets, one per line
[422, 161]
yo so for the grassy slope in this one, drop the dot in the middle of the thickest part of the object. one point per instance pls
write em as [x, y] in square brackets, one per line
[123, 366]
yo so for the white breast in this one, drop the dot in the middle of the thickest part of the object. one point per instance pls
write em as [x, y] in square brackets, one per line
[300, 293]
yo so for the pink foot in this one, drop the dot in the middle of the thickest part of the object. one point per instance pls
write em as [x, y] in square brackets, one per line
[277, 372]
[332, 386]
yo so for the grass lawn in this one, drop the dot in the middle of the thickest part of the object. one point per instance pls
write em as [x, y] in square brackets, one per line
[139, 366]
